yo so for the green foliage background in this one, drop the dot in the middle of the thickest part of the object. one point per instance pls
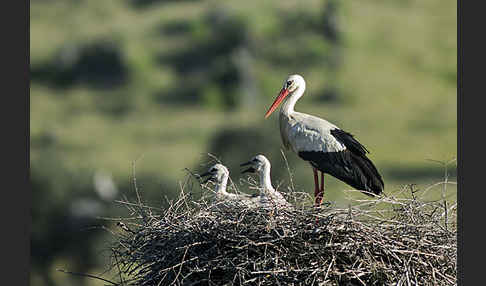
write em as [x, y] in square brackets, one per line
[166, 82]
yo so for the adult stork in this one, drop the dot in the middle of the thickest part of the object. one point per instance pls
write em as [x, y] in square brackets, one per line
[325, 146]
[219, 174]
[268, 195]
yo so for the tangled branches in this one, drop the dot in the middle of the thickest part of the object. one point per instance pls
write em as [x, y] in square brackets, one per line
[382, 241]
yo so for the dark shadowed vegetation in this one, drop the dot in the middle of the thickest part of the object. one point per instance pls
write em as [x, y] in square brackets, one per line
[99, 64]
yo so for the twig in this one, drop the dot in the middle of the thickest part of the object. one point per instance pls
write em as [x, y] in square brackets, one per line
[87, 275]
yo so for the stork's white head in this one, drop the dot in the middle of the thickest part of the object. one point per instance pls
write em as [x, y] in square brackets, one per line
[259, 163]
[217, 173]
[290, 85]
[293, 82]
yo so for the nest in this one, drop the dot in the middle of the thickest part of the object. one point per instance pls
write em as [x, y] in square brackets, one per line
[380, 241]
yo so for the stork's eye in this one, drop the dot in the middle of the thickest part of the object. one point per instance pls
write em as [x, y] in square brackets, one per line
[289, 83]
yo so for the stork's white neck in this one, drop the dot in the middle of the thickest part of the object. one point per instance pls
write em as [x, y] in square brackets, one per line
[265, 180]
[288, 106]
[221, 185]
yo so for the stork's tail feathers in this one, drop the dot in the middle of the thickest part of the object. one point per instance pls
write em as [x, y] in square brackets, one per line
[369, 178]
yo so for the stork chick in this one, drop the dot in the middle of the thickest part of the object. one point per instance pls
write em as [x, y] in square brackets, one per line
[219, 174]
[268, 195]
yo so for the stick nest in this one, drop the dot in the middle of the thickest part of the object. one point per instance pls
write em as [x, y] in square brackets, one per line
[379, 241]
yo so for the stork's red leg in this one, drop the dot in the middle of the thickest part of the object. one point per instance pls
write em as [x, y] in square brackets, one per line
[320, 195]
[316, 184]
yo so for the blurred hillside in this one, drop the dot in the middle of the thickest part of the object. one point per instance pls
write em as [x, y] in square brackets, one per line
[163, 83]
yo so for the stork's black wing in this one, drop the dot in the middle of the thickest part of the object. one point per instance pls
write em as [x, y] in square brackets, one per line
[348, 140]
[350, 166]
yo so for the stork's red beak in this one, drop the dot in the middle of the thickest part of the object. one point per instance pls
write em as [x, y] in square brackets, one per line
[283, 93]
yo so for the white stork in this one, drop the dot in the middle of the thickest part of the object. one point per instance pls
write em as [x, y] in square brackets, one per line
[325, 146]
[219, 174]
[268, 195]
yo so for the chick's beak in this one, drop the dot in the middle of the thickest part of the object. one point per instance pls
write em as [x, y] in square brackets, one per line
[204, 175]
[249, 170]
